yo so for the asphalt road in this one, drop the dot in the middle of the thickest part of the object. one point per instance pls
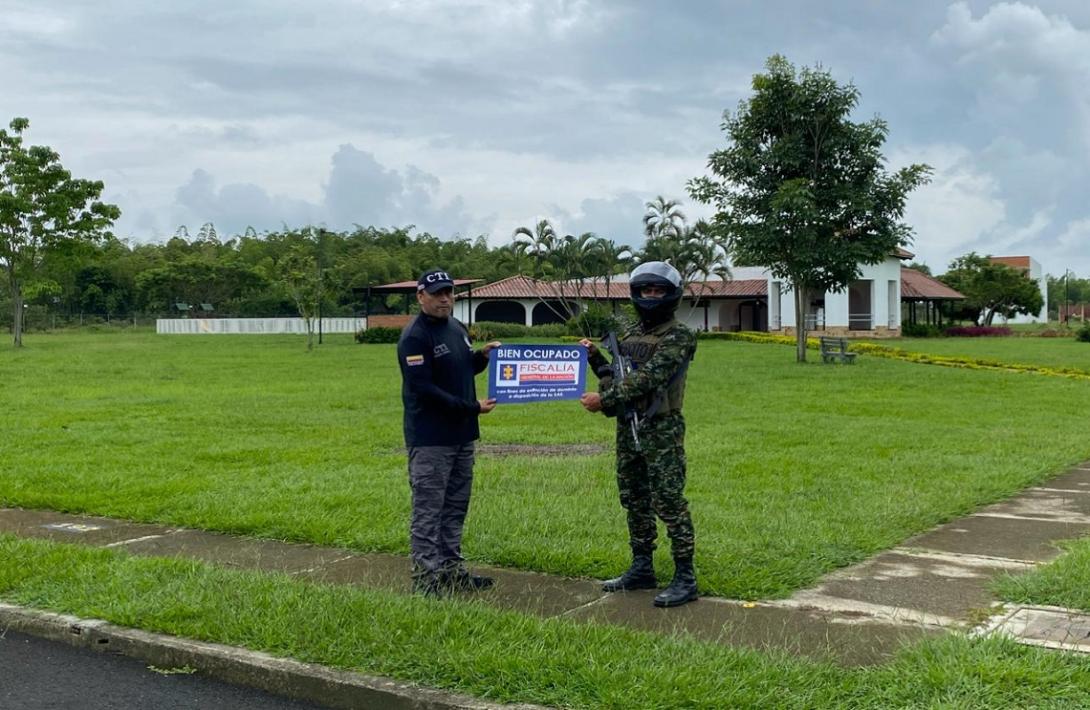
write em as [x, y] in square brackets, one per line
[36, 674]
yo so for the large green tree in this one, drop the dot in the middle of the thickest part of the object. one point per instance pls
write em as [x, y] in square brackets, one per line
[801, 189]
[992, 289]
[41, 207]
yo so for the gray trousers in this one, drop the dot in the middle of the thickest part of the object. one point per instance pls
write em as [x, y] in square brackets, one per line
[441, 478]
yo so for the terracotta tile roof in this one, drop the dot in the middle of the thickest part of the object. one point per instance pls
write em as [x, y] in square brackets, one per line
[746, 288]
[526, 287]
[902, 253]
[916, 285]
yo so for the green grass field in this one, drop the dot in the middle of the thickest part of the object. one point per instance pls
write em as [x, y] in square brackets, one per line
[1050, 352]
[1064, 582]
[503, 656]
[793, 470]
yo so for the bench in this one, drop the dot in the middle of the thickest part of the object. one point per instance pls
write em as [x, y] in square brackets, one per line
[836, 349]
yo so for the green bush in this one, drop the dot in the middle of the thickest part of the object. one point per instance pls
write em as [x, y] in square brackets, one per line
[484, 331]
[1083, 333]
[378, 335]
[595, 322]
[920, 330]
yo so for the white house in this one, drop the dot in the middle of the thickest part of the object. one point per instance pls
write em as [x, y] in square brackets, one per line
[869, 307]
[753, 300]
[1031, 268]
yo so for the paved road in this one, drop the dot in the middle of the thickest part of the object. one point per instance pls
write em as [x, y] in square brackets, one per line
[36, 674]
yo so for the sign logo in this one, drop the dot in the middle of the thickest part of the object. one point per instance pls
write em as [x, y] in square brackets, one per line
[537, 373]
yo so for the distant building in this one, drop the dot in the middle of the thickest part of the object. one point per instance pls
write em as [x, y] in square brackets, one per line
[1031, 268]
[871, 306]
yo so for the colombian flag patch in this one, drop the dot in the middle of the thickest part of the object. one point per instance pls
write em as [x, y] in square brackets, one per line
[413, 360]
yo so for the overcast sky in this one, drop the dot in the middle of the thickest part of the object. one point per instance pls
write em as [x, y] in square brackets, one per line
[467, 118]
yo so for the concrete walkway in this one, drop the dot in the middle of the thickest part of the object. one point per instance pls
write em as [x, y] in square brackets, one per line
[933, 583]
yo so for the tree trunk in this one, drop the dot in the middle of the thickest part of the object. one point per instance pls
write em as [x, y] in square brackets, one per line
[17, 314]
[800, 323]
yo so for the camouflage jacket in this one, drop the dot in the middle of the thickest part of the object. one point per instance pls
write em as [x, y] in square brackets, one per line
[657, 354]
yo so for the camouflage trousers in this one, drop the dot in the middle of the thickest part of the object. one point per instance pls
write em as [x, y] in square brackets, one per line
[652, 482]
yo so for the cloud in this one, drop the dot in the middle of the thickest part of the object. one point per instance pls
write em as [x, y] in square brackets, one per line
[360, 190]
[1029, 68]
[957, 210]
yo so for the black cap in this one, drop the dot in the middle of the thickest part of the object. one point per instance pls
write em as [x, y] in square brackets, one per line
[434, 280]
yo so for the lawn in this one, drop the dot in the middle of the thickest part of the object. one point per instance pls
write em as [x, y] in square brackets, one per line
[504, 656]
[1064, 582]
[1025, 350]
[793, 470]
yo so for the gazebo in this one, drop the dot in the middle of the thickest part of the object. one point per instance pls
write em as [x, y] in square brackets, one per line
[917, 287]
[407, 288]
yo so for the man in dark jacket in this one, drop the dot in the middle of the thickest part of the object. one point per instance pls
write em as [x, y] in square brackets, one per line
[441, 409]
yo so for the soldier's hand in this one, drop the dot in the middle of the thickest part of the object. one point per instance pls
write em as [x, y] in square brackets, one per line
[487, 405]
[591, 401]
[489, 347]
[589, 345]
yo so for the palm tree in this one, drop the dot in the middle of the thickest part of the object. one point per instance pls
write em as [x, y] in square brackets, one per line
[663, 219]
[608, 255]
[511, 259]
[573, 261]
[540, 242]
[701, 256]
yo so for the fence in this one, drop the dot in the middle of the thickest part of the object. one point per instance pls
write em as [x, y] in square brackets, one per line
[39, 319]
[254, 326]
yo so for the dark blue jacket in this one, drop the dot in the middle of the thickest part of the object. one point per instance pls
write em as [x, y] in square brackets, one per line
[437, 368]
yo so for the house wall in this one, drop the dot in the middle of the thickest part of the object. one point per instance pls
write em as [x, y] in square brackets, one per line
[885, 316]
[1035, 273]
[461, 308]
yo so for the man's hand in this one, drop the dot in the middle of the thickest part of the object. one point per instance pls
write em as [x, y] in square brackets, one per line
[489, 347]
[591, 401]
[589, 345]
[487, 405]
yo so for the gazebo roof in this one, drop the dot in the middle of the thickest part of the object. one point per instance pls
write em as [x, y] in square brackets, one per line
[918, 286]
[410, 286]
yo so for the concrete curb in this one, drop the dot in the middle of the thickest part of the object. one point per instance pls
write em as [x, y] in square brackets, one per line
[281, 676]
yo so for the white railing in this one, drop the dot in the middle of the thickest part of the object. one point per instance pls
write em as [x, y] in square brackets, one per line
[859, 321]
[815, 323]
[253, 326]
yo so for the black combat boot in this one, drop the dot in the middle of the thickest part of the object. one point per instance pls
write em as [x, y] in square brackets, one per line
[460, 580]
[641, 575]
[682, 589]
[428, 585]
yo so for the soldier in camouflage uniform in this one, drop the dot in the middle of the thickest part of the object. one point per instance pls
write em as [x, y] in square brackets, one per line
[651, 471]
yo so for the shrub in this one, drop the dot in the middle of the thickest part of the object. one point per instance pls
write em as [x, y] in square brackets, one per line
[595, 322]
[976, 331]
[551, 330]
[490, 330]
[920, 330]
[378, 335]
[1083, 334]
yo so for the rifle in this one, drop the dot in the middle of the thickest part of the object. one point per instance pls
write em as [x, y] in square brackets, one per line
[621, 369]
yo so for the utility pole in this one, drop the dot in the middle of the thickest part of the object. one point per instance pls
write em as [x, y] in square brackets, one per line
[1067, 297]
[321, 280]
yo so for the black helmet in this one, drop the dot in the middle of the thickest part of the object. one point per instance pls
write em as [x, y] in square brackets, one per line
[655, 273]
